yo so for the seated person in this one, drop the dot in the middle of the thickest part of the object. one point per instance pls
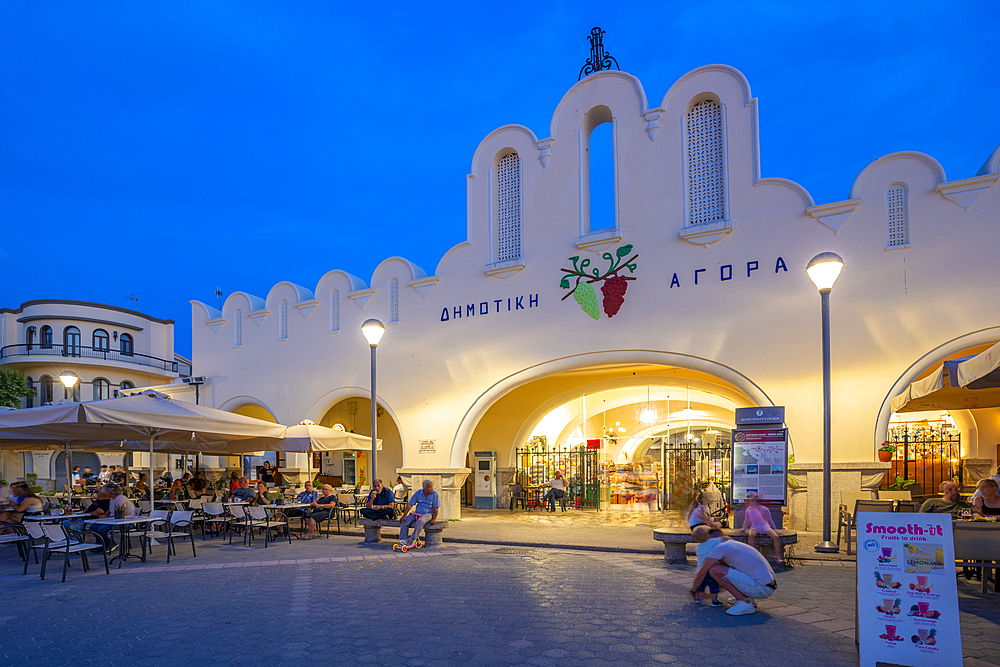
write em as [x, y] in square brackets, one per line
[186, 480]
[308, 497]
[712, 537]
[421, 511]
[986, 502]
[117, 474]
[260, 498]
[141, 489]
[97, 509]
[177, 491]
[698, 514]
[379, 504]
[243, 492]
[22, 501]
[234, 482]
[320, 510]
[950, 502]
[740, 569]
[557, 491]
[197, 486]
[115, 500]
[399, 490]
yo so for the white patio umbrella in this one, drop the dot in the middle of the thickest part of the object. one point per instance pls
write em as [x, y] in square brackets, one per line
[167, 424]
[308, 436]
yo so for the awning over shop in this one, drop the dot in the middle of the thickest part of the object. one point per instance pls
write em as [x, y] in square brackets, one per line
[959, 384]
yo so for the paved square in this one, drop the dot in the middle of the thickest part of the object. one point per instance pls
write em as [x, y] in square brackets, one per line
[331, 601]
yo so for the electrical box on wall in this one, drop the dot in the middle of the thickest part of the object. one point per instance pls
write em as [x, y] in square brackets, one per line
[486, 480]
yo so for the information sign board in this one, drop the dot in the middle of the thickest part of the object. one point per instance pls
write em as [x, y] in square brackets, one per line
[773, 415]
[907, 591]
[760, 465]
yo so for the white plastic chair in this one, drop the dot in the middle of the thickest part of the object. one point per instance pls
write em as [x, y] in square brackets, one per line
[179, 527]
[214, 513]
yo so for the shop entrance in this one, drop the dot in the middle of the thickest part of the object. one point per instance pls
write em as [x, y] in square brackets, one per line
[641, 437]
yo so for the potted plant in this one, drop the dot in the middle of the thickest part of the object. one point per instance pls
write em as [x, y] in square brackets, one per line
[886, 451]
[900, 484]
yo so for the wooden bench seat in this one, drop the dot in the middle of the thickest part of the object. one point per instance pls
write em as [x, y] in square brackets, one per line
[373, 531]
[676, 539]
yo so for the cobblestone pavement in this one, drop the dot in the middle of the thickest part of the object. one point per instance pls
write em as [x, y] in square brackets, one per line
[333, 601]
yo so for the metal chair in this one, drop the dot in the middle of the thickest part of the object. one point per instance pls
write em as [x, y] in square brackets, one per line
[884, 494]
[908, 506]
[214, 513]
[257, 517]
[179, 527]
[864, 506]
[59, 540]
[19, 537]
[346, 507]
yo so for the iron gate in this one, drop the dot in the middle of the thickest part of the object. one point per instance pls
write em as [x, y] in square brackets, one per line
[579, 467]
[692, 465]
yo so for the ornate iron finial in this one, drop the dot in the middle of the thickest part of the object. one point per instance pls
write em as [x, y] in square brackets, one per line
[599, 58]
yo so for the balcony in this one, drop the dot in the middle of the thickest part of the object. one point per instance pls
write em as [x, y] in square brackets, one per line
[22, 351]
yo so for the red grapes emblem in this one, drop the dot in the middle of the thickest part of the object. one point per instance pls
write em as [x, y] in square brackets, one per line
[581, 278]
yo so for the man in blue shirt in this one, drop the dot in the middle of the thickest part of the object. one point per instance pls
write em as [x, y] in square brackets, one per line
[244, 493]
[379, 505]
[422, 511]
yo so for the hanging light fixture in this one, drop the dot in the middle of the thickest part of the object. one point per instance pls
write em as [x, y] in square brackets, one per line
[647, 415]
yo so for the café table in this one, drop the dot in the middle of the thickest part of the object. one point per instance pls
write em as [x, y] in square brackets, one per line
[43, 518]
[272, 508]
[124, 552]
[977, 543]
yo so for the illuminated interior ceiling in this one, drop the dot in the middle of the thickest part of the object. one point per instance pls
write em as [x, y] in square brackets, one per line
[615, 397]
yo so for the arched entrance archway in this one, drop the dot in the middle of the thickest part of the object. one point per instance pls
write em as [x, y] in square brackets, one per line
[610, 363]
[352, 413]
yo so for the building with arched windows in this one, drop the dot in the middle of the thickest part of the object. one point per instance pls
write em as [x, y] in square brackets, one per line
[110, 348]
[634, 327]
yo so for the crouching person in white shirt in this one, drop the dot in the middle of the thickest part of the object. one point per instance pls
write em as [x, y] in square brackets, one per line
[738, 568]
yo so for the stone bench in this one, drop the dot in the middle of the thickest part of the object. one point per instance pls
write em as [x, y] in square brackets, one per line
[373, 531]
[675, 541]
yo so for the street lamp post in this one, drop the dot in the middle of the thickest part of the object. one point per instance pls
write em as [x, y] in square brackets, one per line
[823, 270]
[69, 380]
[373, 330]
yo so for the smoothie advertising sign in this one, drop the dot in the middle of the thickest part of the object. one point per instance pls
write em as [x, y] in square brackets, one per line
[907, 592]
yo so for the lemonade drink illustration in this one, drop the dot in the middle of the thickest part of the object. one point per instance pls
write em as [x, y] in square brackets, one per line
[924, 607]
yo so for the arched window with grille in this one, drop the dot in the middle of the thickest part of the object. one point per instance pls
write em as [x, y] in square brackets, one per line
[705, 171]
[46, 395]
[898, 226]
[394, 301]
[101, 340]
[102, 389]
[46, 337]
[126, 344]
[283, 321]
[335, 311]
[126, 384]
[507, 228]
[238, 329]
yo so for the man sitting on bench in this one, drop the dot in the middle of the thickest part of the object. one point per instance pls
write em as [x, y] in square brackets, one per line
[379, 505]
[424, 505]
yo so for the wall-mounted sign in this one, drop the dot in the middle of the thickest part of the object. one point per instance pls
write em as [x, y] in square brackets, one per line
[907, 591]
[760, 465]
[760, 415]
[427, 447]
[594, 443]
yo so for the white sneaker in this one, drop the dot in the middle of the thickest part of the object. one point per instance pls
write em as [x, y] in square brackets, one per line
[698, 601]
[742, 608]
[733, 601]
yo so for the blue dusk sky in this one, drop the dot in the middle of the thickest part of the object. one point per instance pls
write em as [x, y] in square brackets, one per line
[165, 148]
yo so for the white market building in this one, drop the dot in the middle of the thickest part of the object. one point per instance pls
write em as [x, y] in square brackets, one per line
[485, 354]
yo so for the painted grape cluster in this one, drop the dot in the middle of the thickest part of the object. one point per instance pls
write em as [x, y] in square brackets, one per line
[613, 286]
[614, 294]
[587, 298]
